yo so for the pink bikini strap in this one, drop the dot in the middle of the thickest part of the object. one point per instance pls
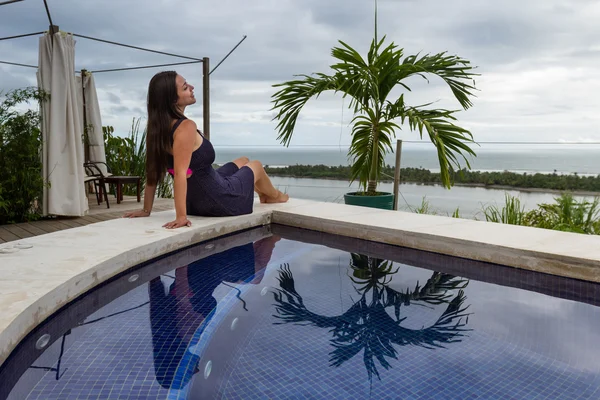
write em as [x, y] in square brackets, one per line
[172, 171]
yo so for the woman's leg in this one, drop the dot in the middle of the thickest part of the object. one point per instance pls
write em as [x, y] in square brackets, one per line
[240, 162]
[263, 186]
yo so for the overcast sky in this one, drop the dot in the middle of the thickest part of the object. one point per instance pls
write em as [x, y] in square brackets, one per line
[539, 60]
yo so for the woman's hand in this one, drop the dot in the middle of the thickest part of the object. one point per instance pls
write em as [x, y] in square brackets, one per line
[178, 223]
[136, 214]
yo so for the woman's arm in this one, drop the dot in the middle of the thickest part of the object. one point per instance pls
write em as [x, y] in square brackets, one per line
[183, 146]
[149, 192]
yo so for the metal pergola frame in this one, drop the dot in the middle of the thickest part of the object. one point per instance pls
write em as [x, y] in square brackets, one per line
[206, 71]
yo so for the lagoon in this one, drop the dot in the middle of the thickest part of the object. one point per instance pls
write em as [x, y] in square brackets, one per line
[469, 200]
[442, 201]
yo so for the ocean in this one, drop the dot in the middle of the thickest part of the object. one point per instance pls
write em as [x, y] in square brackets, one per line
[468, 200]
[566, 159]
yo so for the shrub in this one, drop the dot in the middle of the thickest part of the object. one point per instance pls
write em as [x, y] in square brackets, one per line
[21, 181]
[127, 156]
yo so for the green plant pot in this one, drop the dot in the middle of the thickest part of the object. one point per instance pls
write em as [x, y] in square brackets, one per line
[382, 200]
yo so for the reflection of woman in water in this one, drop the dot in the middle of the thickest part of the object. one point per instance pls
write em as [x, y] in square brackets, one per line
[177, 311]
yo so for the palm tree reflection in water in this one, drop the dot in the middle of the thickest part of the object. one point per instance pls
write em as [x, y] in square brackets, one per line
[366, 325]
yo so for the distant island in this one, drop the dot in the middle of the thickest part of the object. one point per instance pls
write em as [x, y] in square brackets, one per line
[589, 185]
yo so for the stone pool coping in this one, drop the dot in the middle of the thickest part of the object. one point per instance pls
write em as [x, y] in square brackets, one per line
[35, 282]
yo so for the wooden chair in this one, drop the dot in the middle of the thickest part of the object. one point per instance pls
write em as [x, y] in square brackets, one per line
[118, 181]
[94, 175]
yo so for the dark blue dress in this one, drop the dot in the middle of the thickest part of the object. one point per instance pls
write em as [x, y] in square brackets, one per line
[225, 191]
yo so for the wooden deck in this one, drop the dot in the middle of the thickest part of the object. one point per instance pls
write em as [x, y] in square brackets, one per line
[97, 213]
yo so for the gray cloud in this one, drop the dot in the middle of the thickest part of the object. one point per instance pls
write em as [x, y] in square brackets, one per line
[13, 80]
[538, 59]
[113, 98]
[134, 111]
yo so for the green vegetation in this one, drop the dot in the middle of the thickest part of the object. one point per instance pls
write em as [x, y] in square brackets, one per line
[424, 208]
[462, 177]
[21, 182]
[127, 156]
[512, 213]
[369, 84]
[566, 214]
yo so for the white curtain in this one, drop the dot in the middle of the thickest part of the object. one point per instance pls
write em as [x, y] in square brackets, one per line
[93, 118]
[62, 128]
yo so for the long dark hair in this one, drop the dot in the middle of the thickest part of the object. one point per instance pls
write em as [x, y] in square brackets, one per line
[162, 110]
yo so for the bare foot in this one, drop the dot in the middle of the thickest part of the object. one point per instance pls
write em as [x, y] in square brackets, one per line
[263, 197]
[281, 198]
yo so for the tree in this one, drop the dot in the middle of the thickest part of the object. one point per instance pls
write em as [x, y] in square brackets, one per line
[21, 181]
[369, 84]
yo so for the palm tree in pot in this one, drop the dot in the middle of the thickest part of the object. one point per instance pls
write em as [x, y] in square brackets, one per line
[378, 114]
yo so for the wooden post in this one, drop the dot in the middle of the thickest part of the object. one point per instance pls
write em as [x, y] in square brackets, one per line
[86, 137]
[397, 172]
[206, 97]
[51, 31]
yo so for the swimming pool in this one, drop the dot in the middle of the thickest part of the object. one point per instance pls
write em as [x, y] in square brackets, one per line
[278, 312]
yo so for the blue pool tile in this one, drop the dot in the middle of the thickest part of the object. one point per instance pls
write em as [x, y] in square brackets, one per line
[145, 353]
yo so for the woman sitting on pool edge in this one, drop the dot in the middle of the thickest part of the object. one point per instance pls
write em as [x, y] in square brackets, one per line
[174, 144]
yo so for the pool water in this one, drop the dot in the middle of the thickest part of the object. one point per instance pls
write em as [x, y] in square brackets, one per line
[281, 313]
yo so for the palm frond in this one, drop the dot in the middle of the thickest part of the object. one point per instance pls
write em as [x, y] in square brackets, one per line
[289, 305]
[354, 77]
[451, 141]
[369, 273]
[455, 71]
[434, 292]
[293, 96]
[366, 146]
